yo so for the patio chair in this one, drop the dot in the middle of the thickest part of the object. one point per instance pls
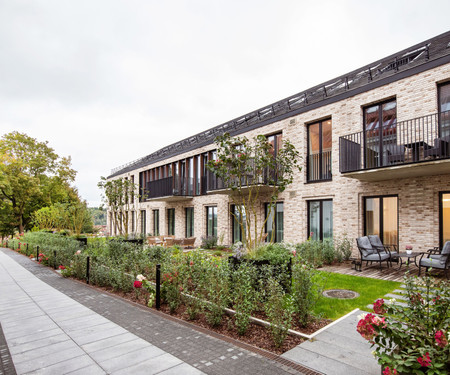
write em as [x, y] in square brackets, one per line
[188, 243]
[376, 243]
[396, 154]
[369, 253]
[441, 148]
[436, 260]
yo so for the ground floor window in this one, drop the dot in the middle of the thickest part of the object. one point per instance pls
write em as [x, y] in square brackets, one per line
[274, 223]
[156, 222]
[132, 221]
[444, 222]
[171, 221]
[320, 219]
[189, 222]
[211, 221]
[381, 218]
[143, 222]
[239, 222]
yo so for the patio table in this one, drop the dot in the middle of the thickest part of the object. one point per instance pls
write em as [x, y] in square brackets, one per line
[413, 256]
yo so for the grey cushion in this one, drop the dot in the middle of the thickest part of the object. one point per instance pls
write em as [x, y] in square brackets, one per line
[446, 248]
[376, 257]
[375, 241]
[431, 262]
[365, 246]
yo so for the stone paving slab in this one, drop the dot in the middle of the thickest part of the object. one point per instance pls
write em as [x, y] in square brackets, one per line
[49, 343]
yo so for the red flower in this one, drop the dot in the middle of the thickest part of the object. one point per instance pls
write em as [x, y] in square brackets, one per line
[425, 360]
[440, 339]
[191, 263]
[61, 267]
[388, 371]
[378, 307]
[137, 284]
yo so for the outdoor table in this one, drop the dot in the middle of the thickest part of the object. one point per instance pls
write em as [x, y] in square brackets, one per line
[414, 256]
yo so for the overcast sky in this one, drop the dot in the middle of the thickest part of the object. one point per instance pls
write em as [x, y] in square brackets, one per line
[109, 81]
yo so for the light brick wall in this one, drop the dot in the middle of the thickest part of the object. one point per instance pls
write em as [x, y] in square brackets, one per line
[418, 204]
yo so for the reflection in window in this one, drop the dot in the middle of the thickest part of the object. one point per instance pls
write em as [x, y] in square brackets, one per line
[156, 222]
[319, 151]
[189, 222]
[381, 218]
[445, 217]
[239, 222]
[275, 222]
[320, 219]
[211, 221]
[444, 108]
[171, 221]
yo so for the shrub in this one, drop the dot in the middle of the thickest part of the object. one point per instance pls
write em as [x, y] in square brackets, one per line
[209, 242]
[311, 252]
[328, 252]
[343, 247]
[279, 309]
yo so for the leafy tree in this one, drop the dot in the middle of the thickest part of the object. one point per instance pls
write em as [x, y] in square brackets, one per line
[120, 196]
[250, 168]
[33, 176]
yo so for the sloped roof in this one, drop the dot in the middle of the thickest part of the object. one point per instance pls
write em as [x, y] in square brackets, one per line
[420, 57]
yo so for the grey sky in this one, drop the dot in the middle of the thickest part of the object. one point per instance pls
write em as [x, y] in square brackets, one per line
[109, 81]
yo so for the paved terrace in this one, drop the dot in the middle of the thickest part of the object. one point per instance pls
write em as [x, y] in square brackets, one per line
[53, 325]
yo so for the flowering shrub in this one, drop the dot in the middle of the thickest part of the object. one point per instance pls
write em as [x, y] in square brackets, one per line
[412, 339]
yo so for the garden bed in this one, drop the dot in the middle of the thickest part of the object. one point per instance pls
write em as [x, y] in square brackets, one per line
[256, 335]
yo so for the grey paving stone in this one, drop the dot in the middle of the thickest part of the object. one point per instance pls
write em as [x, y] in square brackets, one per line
[89, 370]
[33, 337]
[76, 364]
[119, 350]
[108, 342]
[16, 349]
[181, 369]
[46, 350]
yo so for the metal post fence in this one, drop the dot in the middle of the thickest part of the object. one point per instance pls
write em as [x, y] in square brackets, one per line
[158, 286]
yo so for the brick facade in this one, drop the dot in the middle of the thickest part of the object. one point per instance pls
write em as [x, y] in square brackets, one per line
[418, 196]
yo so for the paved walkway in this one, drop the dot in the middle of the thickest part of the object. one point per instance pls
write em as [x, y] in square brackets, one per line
[54, 325]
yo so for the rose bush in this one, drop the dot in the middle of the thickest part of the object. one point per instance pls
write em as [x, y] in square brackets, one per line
[412, 339]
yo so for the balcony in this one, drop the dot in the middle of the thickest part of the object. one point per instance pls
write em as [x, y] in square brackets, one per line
[411, 148]
[169, 189]
[216, 185]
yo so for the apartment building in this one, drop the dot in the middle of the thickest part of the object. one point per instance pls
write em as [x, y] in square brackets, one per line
[375, 146]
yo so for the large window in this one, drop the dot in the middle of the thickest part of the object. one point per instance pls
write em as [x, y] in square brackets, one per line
[380, 131]
[319, 151]
[381, 218]
[239, 222]
[211, 221]
[156, 222]
[189, 222]
[444, 199]
[444, 109]
[274, 223]
[132, 222]
[143, 222]
[171, 221]
[320, 219]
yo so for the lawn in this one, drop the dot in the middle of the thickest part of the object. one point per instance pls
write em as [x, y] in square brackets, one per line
[369, 290]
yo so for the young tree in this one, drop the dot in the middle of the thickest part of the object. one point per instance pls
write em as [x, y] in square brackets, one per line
[120, 196]
[33, 176]
[250, 168]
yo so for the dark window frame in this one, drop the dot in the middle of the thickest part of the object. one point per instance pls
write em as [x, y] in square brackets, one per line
[143, 222]
[320, 153]
[216, 222]
[321, 216]
[155, 222]
[381, 214]
[266, 212]
[233, 225]
[171, 228]
[191, 232]
[441, 218]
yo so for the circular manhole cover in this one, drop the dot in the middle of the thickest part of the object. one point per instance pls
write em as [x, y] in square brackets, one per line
[340, 293]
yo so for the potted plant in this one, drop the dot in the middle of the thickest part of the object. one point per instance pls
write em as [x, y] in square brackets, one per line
[412, 339]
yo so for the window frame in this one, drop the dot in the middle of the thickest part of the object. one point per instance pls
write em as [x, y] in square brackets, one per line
[143, 222]
[191, 232]
[214, 208]
[155, 214]
[441, 217]
[275, 229]
[171, 215]
[381, 215]
[320, 122]
[321, 217]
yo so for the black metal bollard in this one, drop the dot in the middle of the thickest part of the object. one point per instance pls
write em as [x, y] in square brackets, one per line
[158, 286]
[37, 253]
[87, 269]
[54, 259]
[27, 249]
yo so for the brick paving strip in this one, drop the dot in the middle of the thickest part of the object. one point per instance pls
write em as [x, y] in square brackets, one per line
[116, 322]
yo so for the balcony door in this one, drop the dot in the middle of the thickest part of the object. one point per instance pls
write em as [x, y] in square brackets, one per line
[444, 220]
[444, 109]
[381, 218]
[380, 131]
[319, 151]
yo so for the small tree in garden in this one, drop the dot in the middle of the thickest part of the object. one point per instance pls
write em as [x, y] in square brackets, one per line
[119, 195]
[250, 168]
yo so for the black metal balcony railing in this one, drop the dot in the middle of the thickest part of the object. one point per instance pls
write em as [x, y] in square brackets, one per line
[319, 166]
[169, 186]
[411, 141]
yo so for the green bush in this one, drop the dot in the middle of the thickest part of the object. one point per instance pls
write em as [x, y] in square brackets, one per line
[209, 242]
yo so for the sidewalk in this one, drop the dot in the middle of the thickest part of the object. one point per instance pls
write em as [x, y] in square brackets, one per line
[54, 325]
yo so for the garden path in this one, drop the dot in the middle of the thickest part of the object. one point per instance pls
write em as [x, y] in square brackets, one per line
[54, 325]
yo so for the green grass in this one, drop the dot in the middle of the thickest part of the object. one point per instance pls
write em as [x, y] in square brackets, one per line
[369, 290]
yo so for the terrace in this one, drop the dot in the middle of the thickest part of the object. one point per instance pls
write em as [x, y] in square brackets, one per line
[416, 147]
